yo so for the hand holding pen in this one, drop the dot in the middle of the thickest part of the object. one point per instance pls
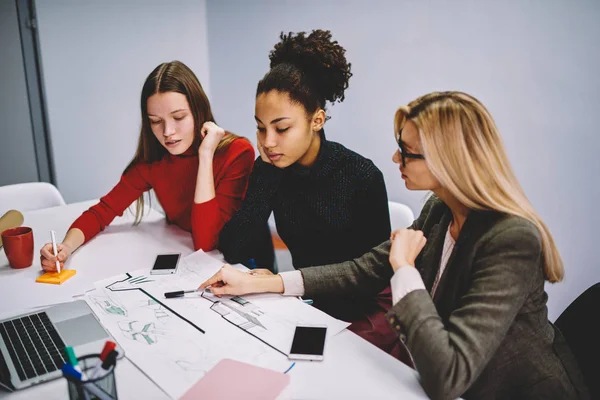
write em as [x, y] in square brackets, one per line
[53, 238]
[51, 262]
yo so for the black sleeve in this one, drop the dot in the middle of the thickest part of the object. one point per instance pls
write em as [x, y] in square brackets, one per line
[373, 208]
[247, 235]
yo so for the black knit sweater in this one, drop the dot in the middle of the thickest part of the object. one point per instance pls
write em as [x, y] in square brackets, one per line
[334, 211]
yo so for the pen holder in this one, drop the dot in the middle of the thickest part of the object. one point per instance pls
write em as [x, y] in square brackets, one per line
[102, 387]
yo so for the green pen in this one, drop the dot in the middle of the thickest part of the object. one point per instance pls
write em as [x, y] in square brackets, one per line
[71, 358]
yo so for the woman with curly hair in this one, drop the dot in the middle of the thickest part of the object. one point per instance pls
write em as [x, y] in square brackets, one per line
[329, 203]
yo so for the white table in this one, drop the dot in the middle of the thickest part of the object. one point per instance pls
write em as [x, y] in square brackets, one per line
[352, 369]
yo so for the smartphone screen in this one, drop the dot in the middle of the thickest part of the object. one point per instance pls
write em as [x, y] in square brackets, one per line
[308, 342]
[165, 263]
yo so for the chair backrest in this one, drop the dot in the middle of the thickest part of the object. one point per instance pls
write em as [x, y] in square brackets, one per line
[29, 196]
[401, 216]
[278, 243]
[580, 325]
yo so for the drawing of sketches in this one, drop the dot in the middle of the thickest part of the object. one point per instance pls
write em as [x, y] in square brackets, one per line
[159, 311]
[140, 331]
[238, 311]
[109, 305]
[169, 350]
[130, 283]
[277, 332]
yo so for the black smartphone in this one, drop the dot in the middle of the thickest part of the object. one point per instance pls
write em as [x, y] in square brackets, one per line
[165, 264]
[308, 342]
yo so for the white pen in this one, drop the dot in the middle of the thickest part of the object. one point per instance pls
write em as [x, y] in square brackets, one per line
[53, 236]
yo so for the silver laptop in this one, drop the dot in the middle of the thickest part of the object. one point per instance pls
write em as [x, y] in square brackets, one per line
[32, 344]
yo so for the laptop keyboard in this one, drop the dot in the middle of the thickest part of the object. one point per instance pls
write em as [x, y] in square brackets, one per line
[34, 345]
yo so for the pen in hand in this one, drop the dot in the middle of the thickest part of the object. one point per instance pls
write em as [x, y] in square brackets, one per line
[181, 293]
[53, 237]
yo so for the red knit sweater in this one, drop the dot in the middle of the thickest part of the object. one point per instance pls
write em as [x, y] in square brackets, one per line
[173, 179]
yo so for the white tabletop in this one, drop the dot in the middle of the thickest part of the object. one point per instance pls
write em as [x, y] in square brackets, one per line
[352, 369]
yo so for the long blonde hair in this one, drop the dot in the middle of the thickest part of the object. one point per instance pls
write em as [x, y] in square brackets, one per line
[173, 76]
[464, 151]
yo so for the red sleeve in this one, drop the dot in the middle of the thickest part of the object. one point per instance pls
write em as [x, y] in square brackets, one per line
[131, 186]
[208, 218]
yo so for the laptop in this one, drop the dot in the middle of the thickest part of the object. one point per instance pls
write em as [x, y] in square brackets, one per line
[32, 344]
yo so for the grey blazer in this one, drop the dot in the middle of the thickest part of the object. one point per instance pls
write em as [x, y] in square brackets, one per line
[485, 334]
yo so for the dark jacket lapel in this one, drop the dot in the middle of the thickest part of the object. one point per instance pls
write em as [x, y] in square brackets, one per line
[455, 280]
[432, 253]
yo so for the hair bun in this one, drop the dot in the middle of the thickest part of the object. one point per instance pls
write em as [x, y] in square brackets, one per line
[322, 59]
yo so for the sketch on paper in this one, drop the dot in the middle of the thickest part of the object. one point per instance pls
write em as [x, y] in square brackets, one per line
[109, 305]
[142, 332]
[130, 283]
[236, 310]
[123, 286]
[249, 317]
[162, 337]
[159, 311]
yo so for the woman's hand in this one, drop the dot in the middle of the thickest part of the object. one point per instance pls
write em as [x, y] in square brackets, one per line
[260, 271]
[48, 260]
[230, 281]
[261, 150]
[406, 246]
[212, 134]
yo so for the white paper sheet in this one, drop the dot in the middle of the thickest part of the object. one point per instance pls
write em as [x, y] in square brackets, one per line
[270, 317]
[173, 352]
[175, 341]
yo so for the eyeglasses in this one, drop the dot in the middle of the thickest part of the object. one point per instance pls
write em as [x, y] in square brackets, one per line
[405, 154]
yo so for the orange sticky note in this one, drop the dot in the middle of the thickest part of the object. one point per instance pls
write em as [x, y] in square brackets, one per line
[55, 278]
[234, 380]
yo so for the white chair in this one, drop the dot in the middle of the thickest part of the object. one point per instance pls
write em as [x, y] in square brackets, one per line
[283, 258]
[401, 216]
[29, 196]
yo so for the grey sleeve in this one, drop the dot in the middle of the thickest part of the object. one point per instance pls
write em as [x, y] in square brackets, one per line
[366, 275]
[450, 358]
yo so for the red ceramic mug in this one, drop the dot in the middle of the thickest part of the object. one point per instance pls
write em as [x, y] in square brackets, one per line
[18, 246]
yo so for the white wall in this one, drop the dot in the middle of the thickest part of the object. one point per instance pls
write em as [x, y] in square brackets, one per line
[535, 64]
[95, 57]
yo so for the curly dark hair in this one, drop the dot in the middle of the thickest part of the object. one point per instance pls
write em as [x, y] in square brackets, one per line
[312, 69]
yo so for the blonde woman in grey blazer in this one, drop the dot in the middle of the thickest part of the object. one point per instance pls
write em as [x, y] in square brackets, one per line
[468, 276]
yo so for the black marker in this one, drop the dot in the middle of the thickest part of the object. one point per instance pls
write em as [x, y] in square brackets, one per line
[181, 293]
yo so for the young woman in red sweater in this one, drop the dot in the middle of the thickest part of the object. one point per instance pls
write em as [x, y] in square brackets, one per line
[199, 172]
